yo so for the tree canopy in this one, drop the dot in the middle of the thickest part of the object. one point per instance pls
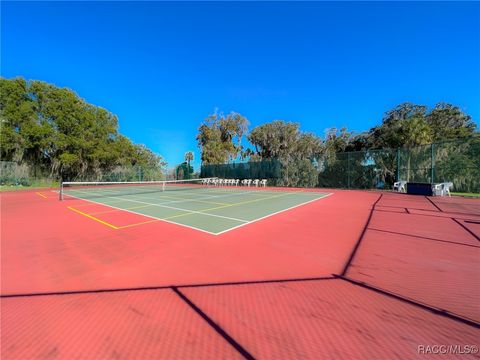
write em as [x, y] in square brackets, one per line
[219, 137]
[61, 135]
[409, 125]
[305, 155]
[297, 150]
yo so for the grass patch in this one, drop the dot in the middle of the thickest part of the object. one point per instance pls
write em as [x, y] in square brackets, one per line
[40, 184]
[475, 195]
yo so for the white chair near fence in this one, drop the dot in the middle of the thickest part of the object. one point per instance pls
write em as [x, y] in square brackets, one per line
[263, 182]
[400, 186]
[442, 189]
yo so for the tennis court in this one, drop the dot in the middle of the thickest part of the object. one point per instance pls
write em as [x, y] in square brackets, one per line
[152, 271]
[211, 209]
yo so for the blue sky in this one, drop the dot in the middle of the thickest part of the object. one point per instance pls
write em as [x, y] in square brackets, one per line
[162, 67]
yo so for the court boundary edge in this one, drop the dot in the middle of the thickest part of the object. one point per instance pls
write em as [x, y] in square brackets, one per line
[324, 195]
[275, 213]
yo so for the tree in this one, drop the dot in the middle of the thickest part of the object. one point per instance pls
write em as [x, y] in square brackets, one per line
[219, 137]
[184, 171]
[336, 141]
[188, 157]
[17, 114]
[58, 134]
[298, 151]
[404, 125]
[250, 154]
[410, 125]
[449, 122]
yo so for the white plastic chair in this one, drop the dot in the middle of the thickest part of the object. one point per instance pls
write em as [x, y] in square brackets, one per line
[235, 182]
[442, 189]
[263, 182]
[249, 181]
[400, 186]
[256, 182]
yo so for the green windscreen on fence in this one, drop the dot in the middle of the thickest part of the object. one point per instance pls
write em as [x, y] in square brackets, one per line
[265, 169]
[456, 161]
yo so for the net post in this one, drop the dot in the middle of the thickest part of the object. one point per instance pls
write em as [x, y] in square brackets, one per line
[61, 191]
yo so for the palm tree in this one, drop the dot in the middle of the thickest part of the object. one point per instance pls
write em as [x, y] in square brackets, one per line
[188, 158]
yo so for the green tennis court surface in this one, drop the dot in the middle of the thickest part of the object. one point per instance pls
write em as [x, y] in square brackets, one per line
[211, 209]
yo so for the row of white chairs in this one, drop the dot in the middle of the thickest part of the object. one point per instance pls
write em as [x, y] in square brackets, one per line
[235, 182]
[255, 182]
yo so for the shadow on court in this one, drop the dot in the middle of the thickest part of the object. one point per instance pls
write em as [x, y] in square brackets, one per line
[354, 275]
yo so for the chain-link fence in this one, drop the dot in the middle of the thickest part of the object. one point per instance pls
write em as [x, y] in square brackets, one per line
[12, 173]
[265, 169]
[450, 161]
[371, 169]
[456, 161]
[15, 174]
[129, 173]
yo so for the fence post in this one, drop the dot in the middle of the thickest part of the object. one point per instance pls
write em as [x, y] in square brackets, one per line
[432, 160]
[398, 164]
[348, 170]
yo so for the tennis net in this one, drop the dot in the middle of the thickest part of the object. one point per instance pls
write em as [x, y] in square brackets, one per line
[94, 189]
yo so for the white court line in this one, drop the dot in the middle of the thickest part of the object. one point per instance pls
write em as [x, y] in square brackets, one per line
[200, 229]
[274, 213]
[148, 216]
[225, 193]
[195, 199]
[120, 196]
[175, 208]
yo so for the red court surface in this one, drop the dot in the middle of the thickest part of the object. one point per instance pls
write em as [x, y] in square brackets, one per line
[356, 275]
